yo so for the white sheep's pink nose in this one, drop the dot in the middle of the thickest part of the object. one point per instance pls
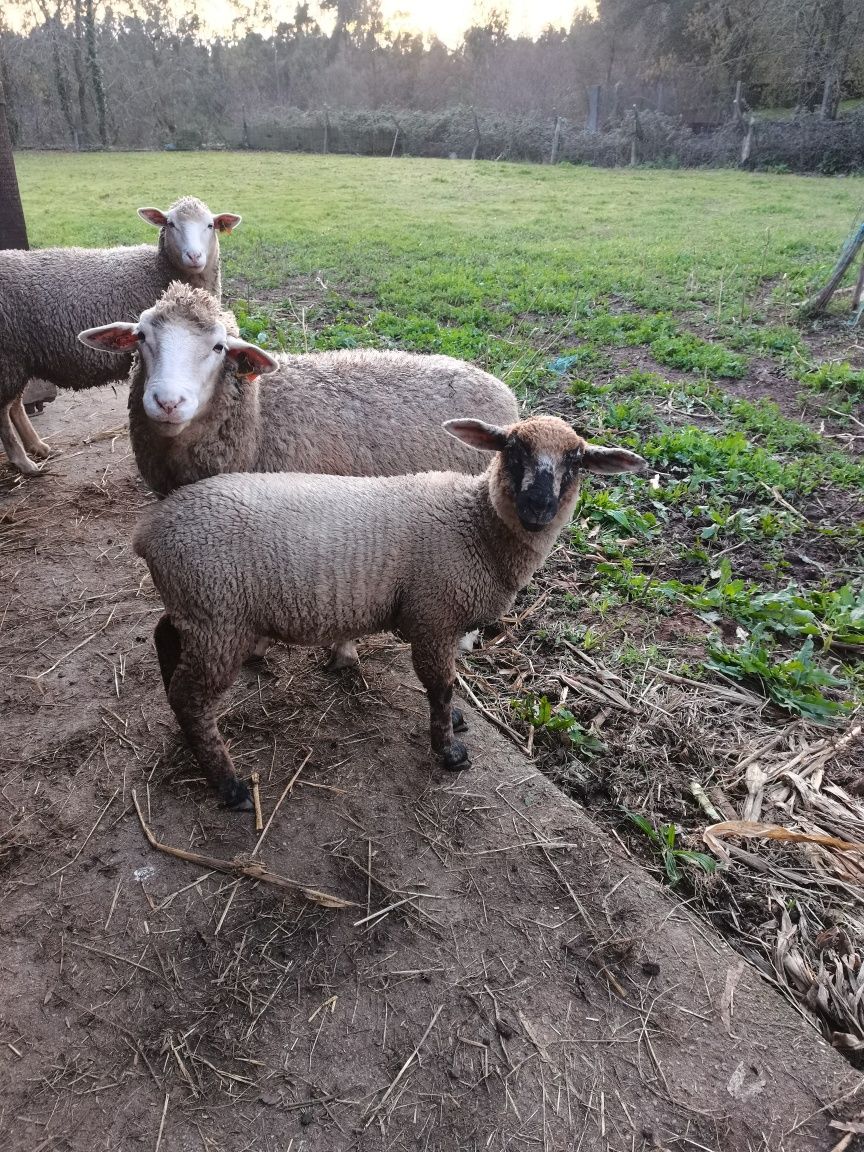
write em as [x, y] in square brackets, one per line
[195, 257]
[168, 406]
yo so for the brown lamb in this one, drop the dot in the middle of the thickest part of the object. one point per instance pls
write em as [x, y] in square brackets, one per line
[315, 560]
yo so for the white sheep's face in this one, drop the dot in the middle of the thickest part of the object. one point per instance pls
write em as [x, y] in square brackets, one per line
[183, 364]
[191, 233]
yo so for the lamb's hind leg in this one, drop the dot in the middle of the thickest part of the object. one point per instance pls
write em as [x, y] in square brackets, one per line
[29, 436]
[168, 648]
[196, 685]
[435, 665]
[343, 655]
[12, 444]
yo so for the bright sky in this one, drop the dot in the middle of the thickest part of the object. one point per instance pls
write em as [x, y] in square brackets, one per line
[448, 19]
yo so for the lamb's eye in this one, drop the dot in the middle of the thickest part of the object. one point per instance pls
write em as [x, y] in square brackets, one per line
[141, 337]
[171, 224]
[218, 347]
[210, 226]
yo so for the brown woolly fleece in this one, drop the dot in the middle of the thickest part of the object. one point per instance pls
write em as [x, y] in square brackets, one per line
[47, 296]
[319, 559]
[356, 412]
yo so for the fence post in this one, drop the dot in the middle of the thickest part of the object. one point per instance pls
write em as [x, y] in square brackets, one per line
[637, 132]
[593, 108]
[395, 138]
[556, 136]
[737, 110]
[326, 147]
[476, 134]
[616, 95]
[747, 143]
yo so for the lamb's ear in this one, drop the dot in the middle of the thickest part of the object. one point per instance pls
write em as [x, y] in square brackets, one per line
[226, 221]
[488, 437]
[153, 216]
[251, 360]
[111, 337]
[610, 461]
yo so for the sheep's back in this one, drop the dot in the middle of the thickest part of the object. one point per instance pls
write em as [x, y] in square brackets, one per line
[48, 296]
[369, 413]
[321, 557]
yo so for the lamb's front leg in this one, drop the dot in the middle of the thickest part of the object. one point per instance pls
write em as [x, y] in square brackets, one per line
[435, 665]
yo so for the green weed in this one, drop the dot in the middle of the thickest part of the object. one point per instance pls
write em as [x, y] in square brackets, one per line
[558, 722]
[794, 683]
[664, 841]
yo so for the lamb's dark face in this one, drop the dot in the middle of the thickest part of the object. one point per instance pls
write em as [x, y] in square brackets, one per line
[541, 478]
[535, 482]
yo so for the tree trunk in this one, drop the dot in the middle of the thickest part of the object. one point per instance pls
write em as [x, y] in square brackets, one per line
[13, 231]
[95, 70]
[78, 59]
[835, 58]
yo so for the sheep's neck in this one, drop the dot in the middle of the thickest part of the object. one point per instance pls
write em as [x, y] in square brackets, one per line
[514, 554]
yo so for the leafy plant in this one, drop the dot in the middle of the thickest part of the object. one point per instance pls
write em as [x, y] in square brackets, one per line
[795, 683]
[664, 841]
[835, 377]
[560, 721]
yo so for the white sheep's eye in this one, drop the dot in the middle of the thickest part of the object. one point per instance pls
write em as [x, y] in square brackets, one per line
[210, 226]
[171, 224]
[218, 347]
[141, 337]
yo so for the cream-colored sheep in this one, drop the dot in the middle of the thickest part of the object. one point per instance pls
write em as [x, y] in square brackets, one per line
[197, 410]
[318, 559]
[48, 295]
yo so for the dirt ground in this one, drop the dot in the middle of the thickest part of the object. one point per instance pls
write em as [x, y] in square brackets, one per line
[506, 978]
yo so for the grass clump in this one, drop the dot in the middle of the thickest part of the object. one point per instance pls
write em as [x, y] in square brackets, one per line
[664, 841]
[557, 722]
[835, 377]
[795, 683]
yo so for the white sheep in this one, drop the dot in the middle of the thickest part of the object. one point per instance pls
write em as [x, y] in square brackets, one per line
[196, 410]
[317, 559]
[48, 295]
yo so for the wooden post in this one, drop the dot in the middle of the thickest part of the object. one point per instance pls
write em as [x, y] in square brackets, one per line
[593, 123]
[747, 143]
[395, 139]
[476, 134]
[13, 230]
[556, 137]
[818, 302]
[859, 290]
[326, 147]
[737, 112]
[637, 132]
[616, 96]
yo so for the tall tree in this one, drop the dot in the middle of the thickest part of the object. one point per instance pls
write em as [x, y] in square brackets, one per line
[95, 70]
[13, 230]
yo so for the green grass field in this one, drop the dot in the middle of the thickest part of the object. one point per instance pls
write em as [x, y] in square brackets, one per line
[653, 309]
[628, 301]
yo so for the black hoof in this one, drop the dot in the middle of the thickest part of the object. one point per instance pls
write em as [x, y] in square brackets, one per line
[236, 797]
[455, 758]
[459, 723]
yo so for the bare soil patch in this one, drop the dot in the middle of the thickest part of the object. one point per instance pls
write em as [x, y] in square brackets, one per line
[509, 976]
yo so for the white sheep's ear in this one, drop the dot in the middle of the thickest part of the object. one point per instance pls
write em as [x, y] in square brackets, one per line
[111, 337]
[610, 461]
[251, 360]
[226, 221]
[153, 216]
[487, 437]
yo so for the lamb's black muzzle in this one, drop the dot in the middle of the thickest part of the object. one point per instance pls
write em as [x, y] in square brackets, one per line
[537, 505]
